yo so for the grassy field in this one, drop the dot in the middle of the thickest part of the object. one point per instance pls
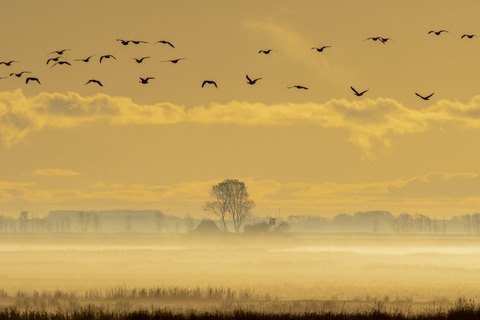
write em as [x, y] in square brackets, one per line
[296, 276]
[214, 303]
[461, 310]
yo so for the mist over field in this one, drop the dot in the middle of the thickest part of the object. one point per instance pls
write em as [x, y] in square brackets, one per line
[286, 267]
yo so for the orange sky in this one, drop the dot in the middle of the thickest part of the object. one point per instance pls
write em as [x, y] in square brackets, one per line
[67, 145]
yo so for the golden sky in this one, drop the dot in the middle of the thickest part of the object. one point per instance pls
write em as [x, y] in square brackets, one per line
[67, 145]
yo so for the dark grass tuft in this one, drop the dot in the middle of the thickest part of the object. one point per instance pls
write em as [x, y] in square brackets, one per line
[99, 314]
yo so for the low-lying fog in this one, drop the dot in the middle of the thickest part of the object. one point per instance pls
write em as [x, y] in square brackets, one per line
[418, 268]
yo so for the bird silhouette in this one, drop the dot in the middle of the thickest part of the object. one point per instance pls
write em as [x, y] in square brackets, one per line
[174, 60]
[18, 75]
[209, 82]
[145, 80]
[94, 81]
[425, 97]
[27, 80]
[59, 52]
[61, 63]
[437, 33]
[320, 49]
[267, 51]
[385, 40]
[107, 56]
[138, 41]
[374, 39]
[298, 87]
[250, 81]
[358, 94]
[8, 63]
[124, 42]
[86, 59]
[140, 60]
[166, 42]
[469, 36]
[54, 59]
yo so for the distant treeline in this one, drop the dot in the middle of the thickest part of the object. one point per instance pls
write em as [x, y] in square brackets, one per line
[385, 222]
[115, 221]
[154, 221]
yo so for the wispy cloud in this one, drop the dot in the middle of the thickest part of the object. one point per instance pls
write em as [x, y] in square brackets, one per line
[293, 44]
[370, 122]
[53, 173]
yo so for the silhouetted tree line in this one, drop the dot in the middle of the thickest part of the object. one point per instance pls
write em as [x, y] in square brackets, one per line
[155, 221]
[96, 222]
[385, 222]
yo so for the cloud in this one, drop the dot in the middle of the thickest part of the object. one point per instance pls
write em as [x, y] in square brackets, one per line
[53, 173]
[436, 194]
[371, 123]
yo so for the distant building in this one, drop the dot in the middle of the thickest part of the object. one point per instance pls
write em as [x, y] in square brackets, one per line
[207, 227]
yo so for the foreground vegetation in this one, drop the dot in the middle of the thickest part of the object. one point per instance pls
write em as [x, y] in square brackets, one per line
[462, 310]
[214, 303]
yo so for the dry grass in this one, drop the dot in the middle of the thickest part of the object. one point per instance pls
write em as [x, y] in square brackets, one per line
[212, 303]
[461, 310]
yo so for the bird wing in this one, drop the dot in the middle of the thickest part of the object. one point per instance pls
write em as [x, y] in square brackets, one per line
[248, 78]
[95, 81]
[170, 44]
[209, 82]
[430, 95]
[420, 95]
[356, 92]
[32, 79]
[364, 91]
[101, 58]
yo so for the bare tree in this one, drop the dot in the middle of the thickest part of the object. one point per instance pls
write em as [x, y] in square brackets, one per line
[23, 221]
[230, 197]
[219, 205]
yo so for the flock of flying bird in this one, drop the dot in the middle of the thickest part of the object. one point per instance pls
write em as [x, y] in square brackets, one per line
[60, 59]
